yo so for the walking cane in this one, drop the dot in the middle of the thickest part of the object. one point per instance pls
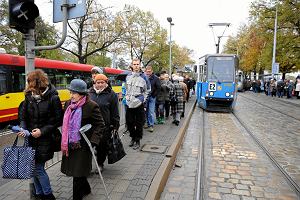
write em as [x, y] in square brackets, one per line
[82, 132]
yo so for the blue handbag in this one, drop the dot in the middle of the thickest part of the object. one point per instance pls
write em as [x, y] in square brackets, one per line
[18, 161]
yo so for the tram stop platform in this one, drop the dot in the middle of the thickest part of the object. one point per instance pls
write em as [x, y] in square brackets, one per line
[139, 175]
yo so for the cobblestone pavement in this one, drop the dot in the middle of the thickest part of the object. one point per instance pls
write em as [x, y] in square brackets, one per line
[290, 107]
[129, 178]
[235, 167]
[279, 133]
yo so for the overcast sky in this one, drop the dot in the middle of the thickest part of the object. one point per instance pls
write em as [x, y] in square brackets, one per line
[191, 18]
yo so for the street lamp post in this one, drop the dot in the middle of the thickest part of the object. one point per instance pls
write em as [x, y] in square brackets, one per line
[274, 43]
[170, 44]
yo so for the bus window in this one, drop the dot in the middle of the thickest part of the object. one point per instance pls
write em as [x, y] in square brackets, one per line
[18, 80]
[3, 88]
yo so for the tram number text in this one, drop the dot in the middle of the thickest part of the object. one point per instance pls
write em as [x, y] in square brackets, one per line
[212, 86]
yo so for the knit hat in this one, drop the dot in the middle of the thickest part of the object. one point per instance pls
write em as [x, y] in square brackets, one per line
[101, 77]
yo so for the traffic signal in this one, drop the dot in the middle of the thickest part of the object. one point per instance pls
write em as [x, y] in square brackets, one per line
[22, 15]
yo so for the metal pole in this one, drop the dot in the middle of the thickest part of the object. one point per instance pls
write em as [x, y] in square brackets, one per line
[65, 6]
[29, 52]
[170, 43]
[274, 43]
[218, 45]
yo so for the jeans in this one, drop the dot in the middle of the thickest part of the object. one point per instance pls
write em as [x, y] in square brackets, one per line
[41, 180]
[151, 111]
[161, 110]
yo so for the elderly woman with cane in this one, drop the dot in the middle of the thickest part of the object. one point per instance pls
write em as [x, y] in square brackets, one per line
[77, 158]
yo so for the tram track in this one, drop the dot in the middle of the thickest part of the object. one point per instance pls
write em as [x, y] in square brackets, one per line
[287, 177]
[201, 167]
[272, 108]
[277, 100]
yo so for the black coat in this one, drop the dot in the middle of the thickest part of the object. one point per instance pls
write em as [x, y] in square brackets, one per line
[79, 161]
[155, 85]
[45, 115]
[108, 103]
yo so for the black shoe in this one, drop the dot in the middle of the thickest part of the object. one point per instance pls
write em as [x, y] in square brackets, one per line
[86, 192]
[177, 123]
[174, 122]
[137, 145]
[48, 197]
[131, 143]
[37, 196]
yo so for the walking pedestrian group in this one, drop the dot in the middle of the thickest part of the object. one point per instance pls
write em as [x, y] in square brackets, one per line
[149, 100]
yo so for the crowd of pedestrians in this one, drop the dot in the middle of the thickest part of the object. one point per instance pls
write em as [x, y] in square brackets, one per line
[149, 99]
[279, 88]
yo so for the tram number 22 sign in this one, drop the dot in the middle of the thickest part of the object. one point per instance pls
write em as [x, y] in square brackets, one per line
[212, 86]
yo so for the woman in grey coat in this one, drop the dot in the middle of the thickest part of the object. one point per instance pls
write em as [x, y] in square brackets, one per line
[77, 158]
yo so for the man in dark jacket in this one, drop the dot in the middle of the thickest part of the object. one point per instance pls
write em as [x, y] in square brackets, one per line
[155, 88]
[107, 100]
[187, 81]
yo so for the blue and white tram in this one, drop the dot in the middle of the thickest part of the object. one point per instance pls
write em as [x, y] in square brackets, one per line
[216, 82]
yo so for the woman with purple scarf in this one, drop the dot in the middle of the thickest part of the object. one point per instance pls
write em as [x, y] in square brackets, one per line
[77, 158]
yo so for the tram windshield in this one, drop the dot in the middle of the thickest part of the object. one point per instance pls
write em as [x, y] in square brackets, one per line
[221, 69]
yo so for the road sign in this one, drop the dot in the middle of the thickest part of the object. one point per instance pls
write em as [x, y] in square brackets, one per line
[77, 8]
[275, 68]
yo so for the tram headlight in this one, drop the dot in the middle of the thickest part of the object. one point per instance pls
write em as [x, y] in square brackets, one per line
[227, 94]
[211, 93]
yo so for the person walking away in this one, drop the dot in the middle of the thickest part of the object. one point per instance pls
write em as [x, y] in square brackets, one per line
[177, 94]
[169, 85]
[107, 100]
[162, 95]
[76, 155]
[155, 88]
[41, 114]
[290, 89]
[280, 88]
[297, 89]
[188, 83]
[273, 87]
[185, 94]
[138, 88]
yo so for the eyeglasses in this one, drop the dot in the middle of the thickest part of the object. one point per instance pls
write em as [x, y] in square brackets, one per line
[135, 64]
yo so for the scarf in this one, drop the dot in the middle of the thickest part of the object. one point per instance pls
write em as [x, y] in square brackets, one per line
[71, 125]
[100, 90]
[38, 98]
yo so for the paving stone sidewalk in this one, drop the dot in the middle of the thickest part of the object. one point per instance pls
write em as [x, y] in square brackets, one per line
[129, 178]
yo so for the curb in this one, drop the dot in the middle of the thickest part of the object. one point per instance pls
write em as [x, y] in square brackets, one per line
[161, 177]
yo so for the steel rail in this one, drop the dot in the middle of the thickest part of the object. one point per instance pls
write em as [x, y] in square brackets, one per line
[201, 164]
[279, 111]
[289, 179]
